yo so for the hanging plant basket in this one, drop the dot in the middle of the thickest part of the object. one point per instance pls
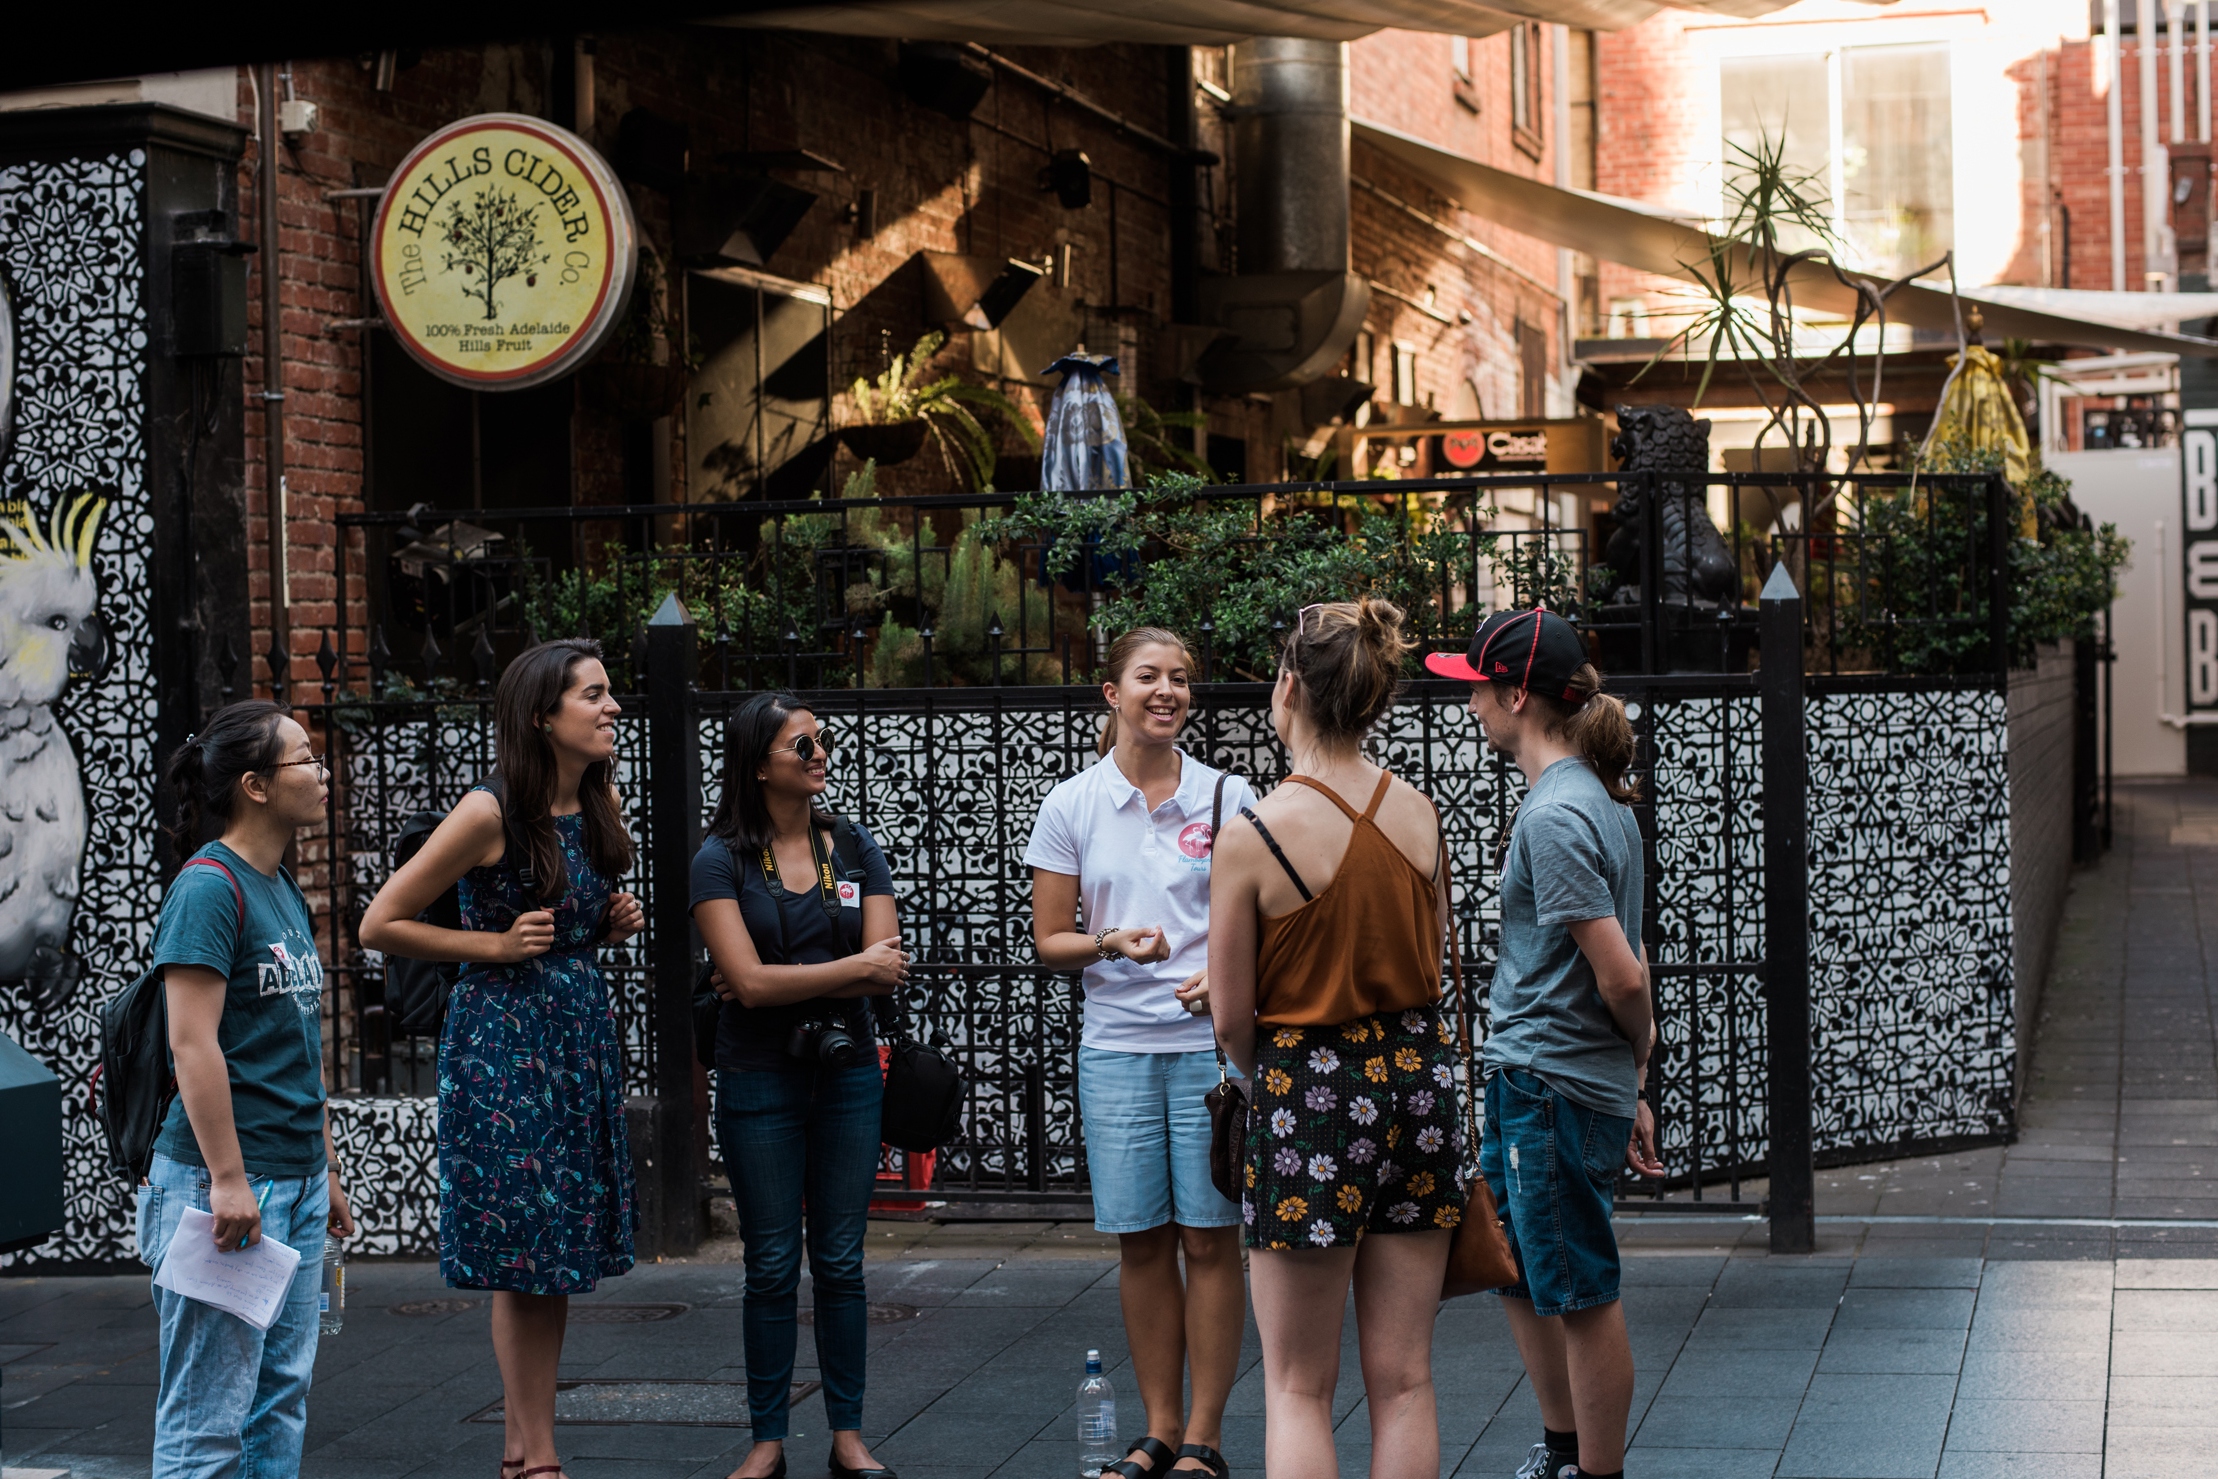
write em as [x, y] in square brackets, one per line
[886, 443]
[635, 392]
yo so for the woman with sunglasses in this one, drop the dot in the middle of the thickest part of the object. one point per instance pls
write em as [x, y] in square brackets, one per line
[796, 907]
[1120, 860]
[246, 1139]
[535, 1171]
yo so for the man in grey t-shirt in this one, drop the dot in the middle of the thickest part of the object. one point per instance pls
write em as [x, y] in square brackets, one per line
[1572, 1024]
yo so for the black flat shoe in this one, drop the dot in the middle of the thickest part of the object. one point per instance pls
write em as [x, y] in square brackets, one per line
[841, 1471]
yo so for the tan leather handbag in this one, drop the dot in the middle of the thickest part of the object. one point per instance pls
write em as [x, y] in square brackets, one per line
[1479, 1256]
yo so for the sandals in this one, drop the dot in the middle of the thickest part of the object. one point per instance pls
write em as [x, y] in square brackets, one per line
[1213, 1462]
[1156, 1450]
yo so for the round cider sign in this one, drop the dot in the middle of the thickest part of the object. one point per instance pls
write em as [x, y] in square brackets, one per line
[503, 251]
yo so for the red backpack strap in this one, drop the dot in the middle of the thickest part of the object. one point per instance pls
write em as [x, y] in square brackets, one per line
[237, 893]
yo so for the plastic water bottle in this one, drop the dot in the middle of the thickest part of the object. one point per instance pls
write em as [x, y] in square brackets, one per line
[331, 1303]
[1097, 1420]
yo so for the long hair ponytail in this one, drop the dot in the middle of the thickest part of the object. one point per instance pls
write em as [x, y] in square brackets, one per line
[1596, 725]
[530, 688]
[239, 739]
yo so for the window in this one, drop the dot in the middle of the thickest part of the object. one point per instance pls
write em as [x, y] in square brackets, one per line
[1882, 160]
[1459, 61]
[1524, 86]
[1405, 374]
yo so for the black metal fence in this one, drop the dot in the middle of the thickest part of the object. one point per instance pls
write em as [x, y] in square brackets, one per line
[958, 736]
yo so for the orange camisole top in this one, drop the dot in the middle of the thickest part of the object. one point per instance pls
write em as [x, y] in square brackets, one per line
[1369, 943]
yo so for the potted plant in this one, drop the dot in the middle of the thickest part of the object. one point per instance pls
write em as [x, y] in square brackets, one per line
[904, 405]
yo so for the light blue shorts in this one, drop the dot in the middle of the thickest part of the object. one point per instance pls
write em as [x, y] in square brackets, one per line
[1147, 1139]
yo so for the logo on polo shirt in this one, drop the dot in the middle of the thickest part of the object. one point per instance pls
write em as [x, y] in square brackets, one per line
[1195, 844]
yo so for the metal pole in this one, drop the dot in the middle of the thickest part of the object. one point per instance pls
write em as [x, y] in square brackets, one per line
[2114, 113]
[674, 828]
[2156, 184]
[1787, 918]
[273, 383]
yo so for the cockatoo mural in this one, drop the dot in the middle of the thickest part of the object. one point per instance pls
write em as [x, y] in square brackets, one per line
[50, 632]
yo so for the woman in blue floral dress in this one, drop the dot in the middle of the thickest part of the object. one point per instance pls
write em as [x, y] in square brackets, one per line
[535, 1179]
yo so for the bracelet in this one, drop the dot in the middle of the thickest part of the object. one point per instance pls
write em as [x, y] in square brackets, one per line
[1102, 949]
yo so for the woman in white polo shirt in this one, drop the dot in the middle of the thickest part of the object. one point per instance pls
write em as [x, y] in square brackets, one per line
[1120, 886]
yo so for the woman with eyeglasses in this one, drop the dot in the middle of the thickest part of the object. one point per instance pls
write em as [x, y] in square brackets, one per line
[796, 908]
[1120, 860]
[535, 1171]
[246, 1139]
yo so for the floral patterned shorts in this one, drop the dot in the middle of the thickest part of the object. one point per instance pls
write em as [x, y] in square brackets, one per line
[1353, 1130]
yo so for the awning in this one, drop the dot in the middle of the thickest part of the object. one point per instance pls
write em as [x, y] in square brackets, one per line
[1206, 22]
[1641, 235]
[2126, 310]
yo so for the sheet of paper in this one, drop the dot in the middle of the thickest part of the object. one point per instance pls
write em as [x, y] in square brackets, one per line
[250, 1283]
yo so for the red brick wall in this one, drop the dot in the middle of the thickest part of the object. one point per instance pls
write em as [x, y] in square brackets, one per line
[1406, 81]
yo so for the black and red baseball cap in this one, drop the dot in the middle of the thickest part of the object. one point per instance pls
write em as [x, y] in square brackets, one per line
[1535, 650]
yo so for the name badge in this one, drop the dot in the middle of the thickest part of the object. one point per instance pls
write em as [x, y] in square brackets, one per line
[850, 894]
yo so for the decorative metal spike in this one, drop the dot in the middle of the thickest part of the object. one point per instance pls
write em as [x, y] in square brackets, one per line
[327, 661]
[792, 638]
[481, 652]
[639, 653]
[381, 657]
[227, 666]
[1208, 648]
[281, 666]
[531, 633]
[993, 628]
[431, 656]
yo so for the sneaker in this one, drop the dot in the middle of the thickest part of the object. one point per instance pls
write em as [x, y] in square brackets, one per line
[1536, 1466]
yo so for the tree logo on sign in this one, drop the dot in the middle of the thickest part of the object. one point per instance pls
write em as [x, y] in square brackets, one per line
[492, 239]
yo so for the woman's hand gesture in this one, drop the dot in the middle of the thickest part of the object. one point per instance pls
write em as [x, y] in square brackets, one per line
[1193, 993]
[531, 934]
[1144, 946]
[625, 917]
[885, 963]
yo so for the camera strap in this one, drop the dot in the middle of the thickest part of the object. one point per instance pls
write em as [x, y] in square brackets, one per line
[826, 890]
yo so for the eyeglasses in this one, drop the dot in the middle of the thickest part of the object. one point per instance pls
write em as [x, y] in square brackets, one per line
[323, 771]
[806, 746]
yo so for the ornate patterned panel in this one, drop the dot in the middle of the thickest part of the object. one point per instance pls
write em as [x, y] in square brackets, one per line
[1914, 1021]
[70, 243]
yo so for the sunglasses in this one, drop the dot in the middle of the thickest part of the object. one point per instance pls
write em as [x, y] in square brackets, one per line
[807, 747]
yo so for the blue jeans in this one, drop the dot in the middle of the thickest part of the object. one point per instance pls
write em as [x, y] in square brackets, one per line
[793, 1137]
[1553, 1164]
[233, 1400]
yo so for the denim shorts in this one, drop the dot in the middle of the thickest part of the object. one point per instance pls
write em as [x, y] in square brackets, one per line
[1147, 1139]
[1552, 1164]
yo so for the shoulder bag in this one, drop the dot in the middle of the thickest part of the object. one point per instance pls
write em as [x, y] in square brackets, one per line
[1227, 1103]
[1479, 1254]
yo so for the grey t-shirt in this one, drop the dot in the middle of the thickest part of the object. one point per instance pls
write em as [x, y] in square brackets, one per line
[1574, 855]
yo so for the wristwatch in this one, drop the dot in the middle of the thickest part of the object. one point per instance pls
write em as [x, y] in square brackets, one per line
[1101, 948]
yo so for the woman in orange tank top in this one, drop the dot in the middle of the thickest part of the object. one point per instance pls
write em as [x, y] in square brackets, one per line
[1326, 931]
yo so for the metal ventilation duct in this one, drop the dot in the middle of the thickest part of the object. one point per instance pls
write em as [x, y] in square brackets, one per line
[1293, 309]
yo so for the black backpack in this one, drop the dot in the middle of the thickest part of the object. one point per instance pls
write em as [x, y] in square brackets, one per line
[416, 991]
[132, 1086]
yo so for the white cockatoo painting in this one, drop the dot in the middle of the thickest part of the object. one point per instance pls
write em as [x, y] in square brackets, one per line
[50, 632]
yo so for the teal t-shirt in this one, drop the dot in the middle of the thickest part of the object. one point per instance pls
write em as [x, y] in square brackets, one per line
[1574, 855]
[272, 1028]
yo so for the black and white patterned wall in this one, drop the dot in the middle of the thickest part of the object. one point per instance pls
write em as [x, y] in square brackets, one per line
[1910, 912]
[71, 234]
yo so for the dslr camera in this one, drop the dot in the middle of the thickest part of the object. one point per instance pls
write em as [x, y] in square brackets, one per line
[823, 1037]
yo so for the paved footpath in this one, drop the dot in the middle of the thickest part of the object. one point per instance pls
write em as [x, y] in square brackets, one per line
[2019, 1311]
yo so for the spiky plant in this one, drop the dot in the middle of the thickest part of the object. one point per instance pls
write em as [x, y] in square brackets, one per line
[907, 391]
